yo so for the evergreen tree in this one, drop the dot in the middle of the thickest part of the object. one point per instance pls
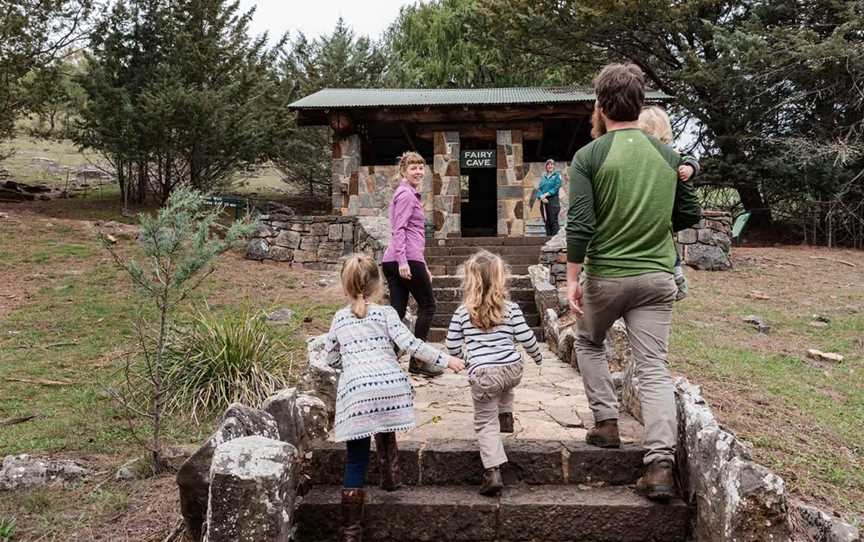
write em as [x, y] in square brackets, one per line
[179, 94]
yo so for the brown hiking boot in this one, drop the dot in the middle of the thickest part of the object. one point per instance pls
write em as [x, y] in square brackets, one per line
[388, 461]
[417, 367]
[604, 435]
[658, 482]
[352, 514]
[505, 420]
[492, 482]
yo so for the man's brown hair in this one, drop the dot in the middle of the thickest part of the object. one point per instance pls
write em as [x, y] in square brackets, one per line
[620, 90]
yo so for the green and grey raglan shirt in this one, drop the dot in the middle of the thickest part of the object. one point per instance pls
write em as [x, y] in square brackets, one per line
[625, 202]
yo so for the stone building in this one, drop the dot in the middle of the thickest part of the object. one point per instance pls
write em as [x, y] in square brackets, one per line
[485, 150]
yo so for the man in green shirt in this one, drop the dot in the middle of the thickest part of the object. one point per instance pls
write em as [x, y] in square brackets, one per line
[625, 202]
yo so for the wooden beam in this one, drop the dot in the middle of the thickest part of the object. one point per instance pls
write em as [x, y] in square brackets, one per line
[407, 135]
[471, 115]
[485, 130]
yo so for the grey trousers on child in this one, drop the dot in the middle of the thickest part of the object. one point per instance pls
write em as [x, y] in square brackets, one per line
[492, 391]
[645, 303]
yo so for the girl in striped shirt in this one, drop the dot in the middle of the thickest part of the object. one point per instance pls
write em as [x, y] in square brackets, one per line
[488, 326]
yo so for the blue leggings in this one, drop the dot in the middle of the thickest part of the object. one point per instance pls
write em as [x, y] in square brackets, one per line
[356, 463]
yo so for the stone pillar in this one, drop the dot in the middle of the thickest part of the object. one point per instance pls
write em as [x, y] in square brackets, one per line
[511, 193]
[446, 189]
[346, 162]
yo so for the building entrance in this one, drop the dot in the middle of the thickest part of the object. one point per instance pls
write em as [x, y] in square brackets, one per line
[479, 189]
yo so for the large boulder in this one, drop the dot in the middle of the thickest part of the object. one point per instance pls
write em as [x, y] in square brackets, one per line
[23, 471]
[252, 491]
[821, 527]
[319, 378]
[707, 257]
[302, 417]
[734, 498]
[193, 477]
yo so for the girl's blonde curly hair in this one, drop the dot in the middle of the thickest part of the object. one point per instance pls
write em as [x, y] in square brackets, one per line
[485, 289]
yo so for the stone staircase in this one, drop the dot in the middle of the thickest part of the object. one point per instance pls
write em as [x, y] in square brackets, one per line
[445, 258]
[558, 488]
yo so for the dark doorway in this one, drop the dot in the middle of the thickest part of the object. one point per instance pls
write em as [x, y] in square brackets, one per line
[479, 207]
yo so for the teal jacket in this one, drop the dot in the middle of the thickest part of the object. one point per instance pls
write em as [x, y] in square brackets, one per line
[549, 184]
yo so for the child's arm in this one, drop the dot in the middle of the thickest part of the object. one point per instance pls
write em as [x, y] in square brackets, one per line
[688, 168]
[416, 348]
[524, 334]
[454, 334]
[332, 353]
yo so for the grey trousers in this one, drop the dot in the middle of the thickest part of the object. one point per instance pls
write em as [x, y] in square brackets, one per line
[492, 392]
[645, 303]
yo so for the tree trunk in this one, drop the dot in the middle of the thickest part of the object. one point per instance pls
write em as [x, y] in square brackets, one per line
[748, 190]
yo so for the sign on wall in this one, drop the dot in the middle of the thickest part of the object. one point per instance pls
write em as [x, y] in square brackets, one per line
[478, 159]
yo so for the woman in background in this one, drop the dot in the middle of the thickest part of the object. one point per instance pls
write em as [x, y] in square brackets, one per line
[547, 193]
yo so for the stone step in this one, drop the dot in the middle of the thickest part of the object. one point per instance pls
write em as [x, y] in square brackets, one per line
[454, 270]
[438, 334]
[455, 462]
[447, 308]
[488, 241]
[510, 259]
[465, 251]
[455, 294]
[538, 513]
[455, 281]
[442, 318]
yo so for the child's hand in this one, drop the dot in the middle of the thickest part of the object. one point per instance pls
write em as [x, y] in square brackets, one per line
[455, 364]
[685, 171]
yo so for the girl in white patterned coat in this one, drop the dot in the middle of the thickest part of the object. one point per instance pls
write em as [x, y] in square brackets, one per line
[374, 397]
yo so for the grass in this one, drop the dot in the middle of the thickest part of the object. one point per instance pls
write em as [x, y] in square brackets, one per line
[805, 419]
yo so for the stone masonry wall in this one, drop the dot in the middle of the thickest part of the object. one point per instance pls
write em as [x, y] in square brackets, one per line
[511, 189]
[317, 242]
[345, 162]
[705, 246]
[446, 188]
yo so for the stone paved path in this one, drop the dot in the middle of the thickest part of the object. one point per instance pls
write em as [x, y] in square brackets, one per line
[550, 404]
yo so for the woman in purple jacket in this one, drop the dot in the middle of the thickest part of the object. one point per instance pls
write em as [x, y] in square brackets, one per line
[404, 263]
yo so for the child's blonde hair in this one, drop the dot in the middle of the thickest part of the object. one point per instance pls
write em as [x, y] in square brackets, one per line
[408, 158]
[485, 289]
[654, 121]
[361, 281]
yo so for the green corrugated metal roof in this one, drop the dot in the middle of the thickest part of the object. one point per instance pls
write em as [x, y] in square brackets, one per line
[408, 97]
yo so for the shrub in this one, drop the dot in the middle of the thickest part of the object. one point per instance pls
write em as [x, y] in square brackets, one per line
[219, 360]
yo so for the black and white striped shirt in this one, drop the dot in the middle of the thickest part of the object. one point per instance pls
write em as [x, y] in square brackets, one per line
[495, 347]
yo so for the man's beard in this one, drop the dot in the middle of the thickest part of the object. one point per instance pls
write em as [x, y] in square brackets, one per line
[598, 127]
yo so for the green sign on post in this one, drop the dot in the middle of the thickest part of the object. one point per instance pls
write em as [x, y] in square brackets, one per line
[478, 159]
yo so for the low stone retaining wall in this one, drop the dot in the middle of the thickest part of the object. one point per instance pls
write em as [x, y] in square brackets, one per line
[317, 242]
[704, 246]
[734, 498]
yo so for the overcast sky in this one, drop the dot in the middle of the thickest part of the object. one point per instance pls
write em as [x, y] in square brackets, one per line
[316, 17]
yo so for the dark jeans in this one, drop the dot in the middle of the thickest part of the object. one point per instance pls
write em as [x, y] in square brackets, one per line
[550, 211]
[419, 286]
[356, 463]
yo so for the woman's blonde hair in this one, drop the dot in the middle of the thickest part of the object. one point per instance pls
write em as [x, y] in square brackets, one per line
[654, 120]
[485, 289]
[408, 158]
[361, 281]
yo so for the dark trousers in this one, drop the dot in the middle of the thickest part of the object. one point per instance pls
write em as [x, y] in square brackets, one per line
[550, 211]
[356, 463]
[419, 286]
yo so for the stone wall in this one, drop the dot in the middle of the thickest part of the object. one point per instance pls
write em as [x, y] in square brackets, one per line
[511, 189]
[345, 161]
[706, 245]
[317, 242]
[446, 186]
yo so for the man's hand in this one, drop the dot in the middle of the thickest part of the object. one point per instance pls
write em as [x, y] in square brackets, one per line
[405, 271]
[685, 171]
[574, 290]
[574, 296]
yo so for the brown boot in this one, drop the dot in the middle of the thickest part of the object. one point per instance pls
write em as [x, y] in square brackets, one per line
[604, 435]
[505, 420]
[492, 482]
[352, 514]
[658, 482]
[388, 461]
